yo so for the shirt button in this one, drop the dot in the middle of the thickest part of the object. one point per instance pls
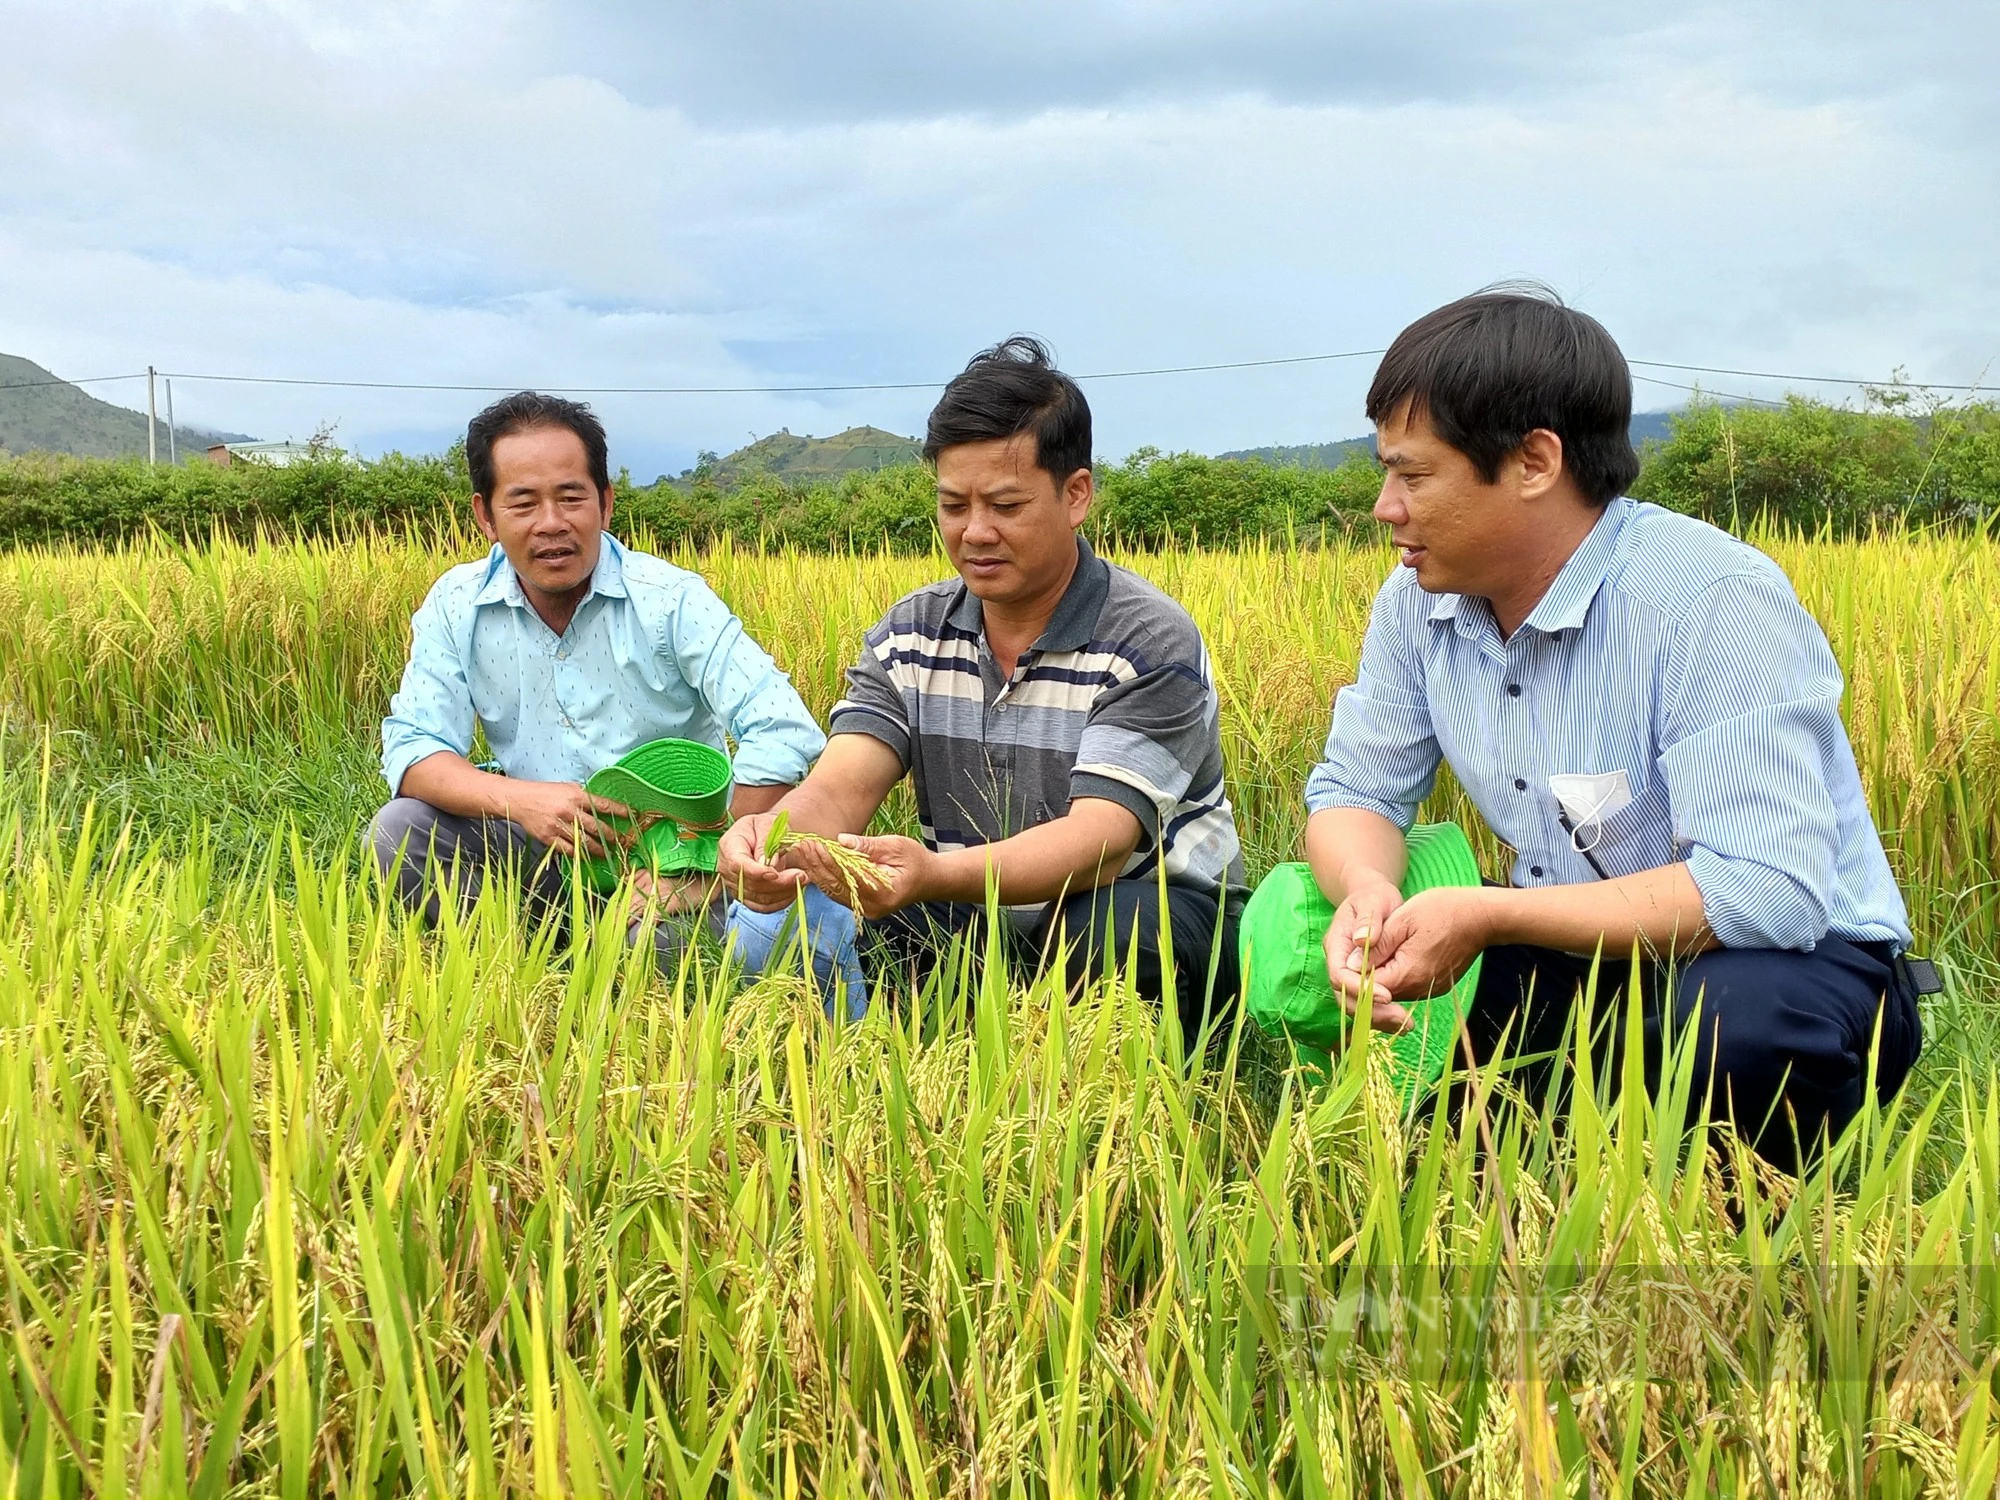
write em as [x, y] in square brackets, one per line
[1536, 871]
[1513, 690]
[1520, 785]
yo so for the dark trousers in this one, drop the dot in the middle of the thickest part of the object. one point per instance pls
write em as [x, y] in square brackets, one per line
[430, 853]
[1780, 1045]
[412, 840]
[1116, 921]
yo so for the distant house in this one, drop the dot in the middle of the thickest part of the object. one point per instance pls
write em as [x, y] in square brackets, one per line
[275, 454]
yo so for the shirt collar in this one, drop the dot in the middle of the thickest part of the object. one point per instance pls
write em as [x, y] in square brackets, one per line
[608, 577]
[501, 586]
[1445, 606]
[1567, 601]
[1075, 620]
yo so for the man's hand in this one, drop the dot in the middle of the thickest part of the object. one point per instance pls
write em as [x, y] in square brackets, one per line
[670, 895]
[1429, 942]
[743, 872]
[908, 868]
[565, 817]
[1354, 952]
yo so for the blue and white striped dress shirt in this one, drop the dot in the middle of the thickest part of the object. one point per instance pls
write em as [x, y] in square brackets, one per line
[651, 654]
[1665, 649]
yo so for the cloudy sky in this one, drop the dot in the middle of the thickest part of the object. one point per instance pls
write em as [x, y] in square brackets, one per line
[694, 193]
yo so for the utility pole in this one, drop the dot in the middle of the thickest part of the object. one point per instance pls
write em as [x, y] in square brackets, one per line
[173, 450]
[152, 441]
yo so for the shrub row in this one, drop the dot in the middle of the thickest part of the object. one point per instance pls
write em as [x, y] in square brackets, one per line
[1807, 465]
[1149, 499]
[1814, 465]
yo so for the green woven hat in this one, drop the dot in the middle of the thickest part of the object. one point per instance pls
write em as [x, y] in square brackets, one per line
[1285, 983]
[683, 787]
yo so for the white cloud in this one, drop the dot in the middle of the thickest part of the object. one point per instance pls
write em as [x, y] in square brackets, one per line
[440, 192]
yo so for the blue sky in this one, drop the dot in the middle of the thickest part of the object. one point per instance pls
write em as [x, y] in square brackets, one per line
[756, 193]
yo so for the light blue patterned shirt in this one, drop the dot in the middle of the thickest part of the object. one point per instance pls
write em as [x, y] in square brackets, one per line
[1667, 650]
[651, 653]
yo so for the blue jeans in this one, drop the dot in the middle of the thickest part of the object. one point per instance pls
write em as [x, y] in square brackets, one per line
[760, 939]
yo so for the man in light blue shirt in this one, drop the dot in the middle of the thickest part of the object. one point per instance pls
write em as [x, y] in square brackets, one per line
[567, 650]
[1642, 711]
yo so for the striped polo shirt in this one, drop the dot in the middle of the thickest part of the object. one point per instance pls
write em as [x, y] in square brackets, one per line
[1115, 701]
[1673, 666]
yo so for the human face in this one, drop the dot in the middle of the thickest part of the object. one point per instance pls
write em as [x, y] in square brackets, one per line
[545, 511]
[1457, 532]
[1008, 526]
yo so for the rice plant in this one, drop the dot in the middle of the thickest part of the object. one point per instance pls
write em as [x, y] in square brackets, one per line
[164, 648]
[304, 1199]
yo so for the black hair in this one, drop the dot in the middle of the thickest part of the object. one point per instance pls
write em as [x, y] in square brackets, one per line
[1489, 369]
[1012, 388]
[520, 412]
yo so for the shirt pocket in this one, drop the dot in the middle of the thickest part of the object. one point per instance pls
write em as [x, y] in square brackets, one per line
[1639, 836]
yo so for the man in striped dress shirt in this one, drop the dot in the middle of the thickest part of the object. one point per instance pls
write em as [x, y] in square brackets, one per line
[1642, 711]
[1055, 713]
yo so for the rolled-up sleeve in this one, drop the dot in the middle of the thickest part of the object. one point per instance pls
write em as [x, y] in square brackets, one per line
[873, 705]
[776, 738]
[1381, 752]
[432, 709]
[1750, 721]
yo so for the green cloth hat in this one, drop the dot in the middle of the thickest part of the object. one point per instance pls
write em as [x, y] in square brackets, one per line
[1285, 983]
[681, 785]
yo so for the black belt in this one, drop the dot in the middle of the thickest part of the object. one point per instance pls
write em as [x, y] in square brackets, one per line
[1920, 974]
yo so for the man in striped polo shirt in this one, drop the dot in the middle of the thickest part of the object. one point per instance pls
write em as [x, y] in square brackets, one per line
[1055, 714]
[1640, 708]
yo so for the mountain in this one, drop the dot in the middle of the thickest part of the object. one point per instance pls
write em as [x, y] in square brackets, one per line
[786, 455]
[40, 413]
[1652, 426]
[1306, 455]
[1647, 426]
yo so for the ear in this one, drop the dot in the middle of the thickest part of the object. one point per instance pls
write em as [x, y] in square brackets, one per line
[1539, 461]
[482, 517]
[1078, 491]
[610, 499]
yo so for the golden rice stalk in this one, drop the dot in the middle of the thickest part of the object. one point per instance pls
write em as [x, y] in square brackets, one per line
[856, 869]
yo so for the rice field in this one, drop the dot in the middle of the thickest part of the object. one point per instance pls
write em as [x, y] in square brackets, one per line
[303, 1199]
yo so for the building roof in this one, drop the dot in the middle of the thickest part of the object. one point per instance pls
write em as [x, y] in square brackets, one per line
[278, 454]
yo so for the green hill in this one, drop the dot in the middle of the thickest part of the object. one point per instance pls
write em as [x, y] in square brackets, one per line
[786, 455]
[1647, 426]
[40, 413]
[1306, 455]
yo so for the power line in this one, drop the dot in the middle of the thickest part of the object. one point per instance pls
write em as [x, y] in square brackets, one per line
[1241, 364]
[1701, 390]
[927, 385]
[21, 385]
[1919, 385]
[574, 390]
[682, 390]
[761, 390]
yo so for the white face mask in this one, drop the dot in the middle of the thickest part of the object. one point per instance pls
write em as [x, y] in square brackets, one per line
[1589, 801]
